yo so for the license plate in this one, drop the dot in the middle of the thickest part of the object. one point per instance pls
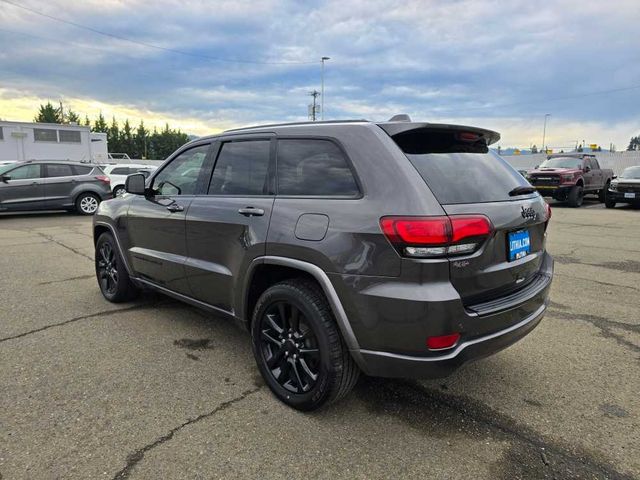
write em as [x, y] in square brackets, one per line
[519, 244]
[629, 195]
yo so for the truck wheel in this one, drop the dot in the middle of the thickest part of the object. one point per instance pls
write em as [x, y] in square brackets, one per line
[609, 202]
[298, 347]
[603, 193]
[576, 195]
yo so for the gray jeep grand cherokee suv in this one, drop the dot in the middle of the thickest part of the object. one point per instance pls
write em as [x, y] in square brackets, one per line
[398, 249]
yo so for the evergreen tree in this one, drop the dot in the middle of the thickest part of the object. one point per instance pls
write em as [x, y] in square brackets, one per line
[114, 140]
[634, 144]
[87, 122]
[100, 125]
[140, 140]
[534, 149]
[73, 117]
[126, 140]
[48, 114]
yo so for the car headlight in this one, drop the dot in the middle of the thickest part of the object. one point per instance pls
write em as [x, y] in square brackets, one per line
[567, 178]
[613, 187]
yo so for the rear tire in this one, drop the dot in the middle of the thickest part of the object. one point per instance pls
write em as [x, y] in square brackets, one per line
[576, 196]
[113, 278]
[602, 196]
[87, 203]
[118, 191]
[298, 347]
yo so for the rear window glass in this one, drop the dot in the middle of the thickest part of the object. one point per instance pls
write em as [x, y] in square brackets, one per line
[459, 171]
[313, 167]
[120, 171]
[82, 170]
[58, 170]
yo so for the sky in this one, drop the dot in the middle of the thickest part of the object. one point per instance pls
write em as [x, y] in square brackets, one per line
[205, 66]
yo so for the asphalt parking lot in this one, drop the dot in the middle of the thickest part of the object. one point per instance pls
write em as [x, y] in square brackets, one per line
[158, 389]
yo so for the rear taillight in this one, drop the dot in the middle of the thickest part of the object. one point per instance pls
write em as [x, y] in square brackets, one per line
[428, 237]
[103, 178]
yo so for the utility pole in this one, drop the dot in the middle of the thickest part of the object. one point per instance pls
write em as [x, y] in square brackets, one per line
[313, 108]
[544, 131]
[322, 60]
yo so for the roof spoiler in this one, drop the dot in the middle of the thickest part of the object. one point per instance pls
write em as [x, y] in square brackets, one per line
[403, 126]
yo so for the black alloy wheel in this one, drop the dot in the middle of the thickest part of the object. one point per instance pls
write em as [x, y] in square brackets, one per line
[107, 269]
[289, 346]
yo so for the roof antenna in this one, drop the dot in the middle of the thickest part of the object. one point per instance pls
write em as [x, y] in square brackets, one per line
[402, 117]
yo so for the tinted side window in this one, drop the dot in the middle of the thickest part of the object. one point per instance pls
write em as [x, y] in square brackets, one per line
[313, 167]
[25, 172]
[81, 170]
[241, 169]
[180, 177]
[120, 171]
[58, 170]
[45, 135]
[71, 136]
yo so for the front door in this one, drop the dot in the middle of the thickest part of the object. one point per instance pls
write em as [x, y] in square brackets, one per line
[227, 228]
[156, 221]
[22, 188]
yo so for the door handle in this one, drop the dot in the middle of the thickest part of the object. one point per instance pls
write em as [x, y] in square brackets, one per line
[251, 212]
[175, 208]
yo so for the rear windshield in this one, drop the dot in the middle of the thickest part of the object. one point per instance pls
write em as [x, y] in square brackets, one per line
[461, 171]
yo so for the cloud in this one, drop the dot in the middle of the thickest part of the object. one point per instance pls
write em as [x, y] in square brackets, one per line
[464, 61]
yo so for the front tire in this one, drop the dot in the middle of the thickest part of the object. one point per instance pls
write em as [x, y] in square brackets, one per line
[576, 196]
[87, 203]
[609, 202]
[298, 347]
[113, 278]
[602, 196]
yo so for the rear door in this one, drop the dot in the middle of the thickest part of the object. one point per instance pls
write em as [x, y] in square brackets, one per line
[156, 221]
[59, 182]
[469, 179]
[227, 228]
[24, 189]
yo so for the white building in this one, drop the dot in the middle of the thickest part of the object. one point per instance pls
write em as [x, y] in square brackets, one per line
[51, 141]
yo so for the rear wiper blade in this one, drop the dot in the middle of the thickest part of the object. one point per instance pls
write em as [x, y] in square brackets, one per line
[521, 191]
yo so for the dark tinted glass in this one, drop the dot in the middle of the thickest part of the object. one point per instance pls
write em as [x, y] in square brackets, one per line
[313, 167]
[82, 170]
[241, 169]
[120, 171]
[58, 170]
[180, 177]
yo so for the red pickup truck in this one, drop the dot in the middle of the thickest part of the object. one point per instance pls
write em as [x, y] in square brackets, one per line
[568, 177]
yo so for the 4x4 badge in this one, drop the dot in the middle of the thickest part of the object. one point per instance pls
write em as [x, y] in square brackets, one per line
[529, 212]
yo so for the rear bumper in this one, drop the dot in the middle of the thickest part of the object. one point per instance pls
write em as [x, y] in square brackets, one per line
[384, 364]
[392, 321]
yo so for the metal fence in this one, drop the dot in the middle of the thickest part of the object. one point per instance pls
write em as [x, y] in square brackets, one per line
[617, 161]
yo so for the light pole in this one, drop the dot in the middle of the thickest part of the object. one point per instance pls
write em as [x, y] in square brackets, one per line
[544, 131]
[322, 60]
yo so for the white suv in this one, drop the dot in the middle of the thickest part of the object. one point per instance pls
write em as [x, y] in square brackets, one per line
[118, 174]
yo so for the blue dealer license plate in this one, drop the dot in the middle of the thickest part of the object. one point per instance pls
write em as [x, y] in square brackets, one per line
[519, 244]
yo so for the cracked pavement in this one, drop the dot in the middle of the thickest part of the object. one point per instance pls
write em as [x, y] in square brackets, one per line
[158, 389]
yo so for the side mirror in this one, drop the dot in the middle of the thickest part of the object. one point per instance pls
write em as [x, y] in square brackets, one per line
[536, 167]
[587, 169]
[135, 184]
[5, 178]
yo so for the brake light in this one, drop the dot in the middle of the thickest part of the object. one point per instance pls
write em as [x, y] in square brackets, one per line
[442, 342]
[547, 207]
[427, 237]
[103, 178]
[468, 136]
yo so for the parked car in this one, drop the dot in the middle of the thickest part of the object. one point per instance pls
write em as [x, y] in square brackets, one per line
[568, 177]
[399, 249]
[625, 188]
[118, 174]
[52, 185]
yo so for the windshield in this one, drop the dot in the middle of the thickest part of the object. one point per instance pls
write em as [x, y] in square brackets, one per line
[562, 162]
[5, 168]
[631, 172]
